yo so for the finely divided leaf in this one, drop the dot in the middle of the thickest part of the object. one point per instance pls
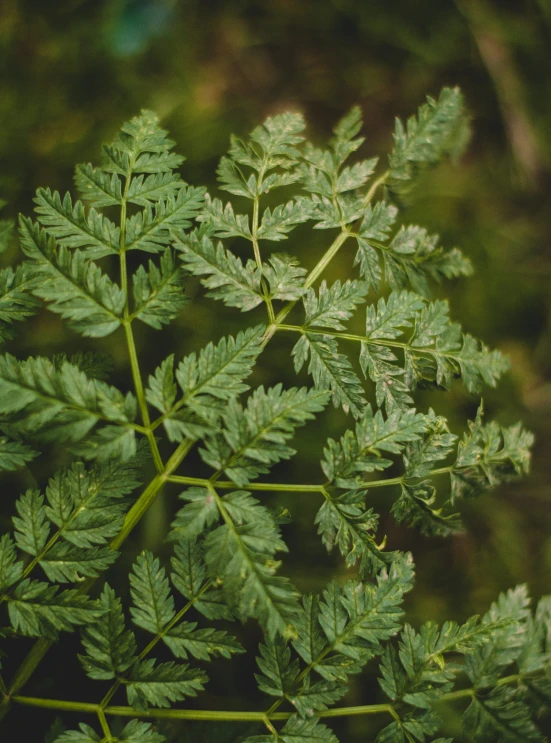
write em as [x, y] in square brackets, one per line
[189, 576]
[153, 605]
[344, 521]
[73, 286]
[278, 675]
[334, 305]
[162, 684]
[254, 438]
[61, 404]
[14, 454]
[203, 644]
[31, 526]
[285, 277]
[11, 569]
[222, 221]
[37, 609]
[207, 380]
[330, 371]
[98, 187]
[16, 299]
[110, 647]
[360, 452]
[72, 227]
[87, 504]
[275, 225]
[240, 555]
[159, 291]
[150, 230]
[225, 276]
[440, 128]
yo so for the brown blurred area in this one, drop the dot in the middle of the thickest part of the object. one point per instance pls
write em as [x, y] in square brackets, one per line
[73, 70]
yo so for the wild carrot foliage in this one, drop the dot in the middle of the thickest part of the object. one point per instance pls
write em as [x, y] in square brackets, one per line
[227, 544]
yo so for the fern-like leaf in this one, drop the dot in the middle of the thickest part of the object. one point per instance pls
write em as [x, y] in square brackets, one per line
[159, 291]
[72, 286]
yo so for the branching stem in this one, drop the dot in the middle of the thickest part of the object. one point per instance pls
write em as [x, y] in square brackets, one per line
[238, 716]
[326, 258]
[41, 646]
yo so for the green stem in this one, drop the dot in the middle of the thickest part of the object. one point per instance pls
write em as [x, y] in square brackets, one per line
[25, 671]
[108, 738]
[150, 493]
[328, 256]
[374, 186]
[127, 324]
[254, 236]
[238, 716]
[280, 487]
[370, 341]
[326, 259]
[41, 646]
[264, 486]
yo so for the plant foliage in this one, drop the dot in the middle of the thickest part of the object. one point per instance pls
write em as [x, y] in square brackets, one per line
[226, 543]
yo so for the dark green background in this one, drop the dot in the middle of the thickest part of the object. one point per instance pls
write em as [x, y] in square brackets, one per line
[72, 72]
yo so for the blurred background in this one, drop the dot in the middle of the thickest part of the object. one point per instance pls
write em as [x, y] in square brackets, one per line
[74, 70]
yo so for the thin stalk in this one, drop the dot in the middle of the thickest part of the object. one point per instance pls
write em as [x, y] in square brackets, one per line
[105, 727]
[127, 324]
[264, 486]
[311, 278]
[243, 715]
[254, 236]
[369, 341]
[149, 494]
[326, 259]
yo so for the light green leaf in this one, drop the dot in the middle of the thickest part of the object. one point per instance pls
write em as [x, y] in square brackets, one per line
[151, 230]
[31, 526]
[277, 223]
[440, 128]
[330, 371]
[223, 222]
[254, 438]
[159, 291]
[140, 147]
[160, 685]
[225, 276]
[72, 227]
[200, 513]
[110, 647]
[99, 188]
[361, 451]
[285, 277]
[73, 287]
[334, 305]
[207, 380]
[39, 610]
[153, 605]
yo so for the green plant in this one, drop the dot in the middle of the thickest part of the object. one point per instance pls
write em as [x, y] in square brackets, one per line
[224, 541]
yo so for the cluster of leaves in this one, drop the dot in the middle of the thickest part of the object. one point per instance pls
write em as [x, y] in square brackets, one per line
[226, 543]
